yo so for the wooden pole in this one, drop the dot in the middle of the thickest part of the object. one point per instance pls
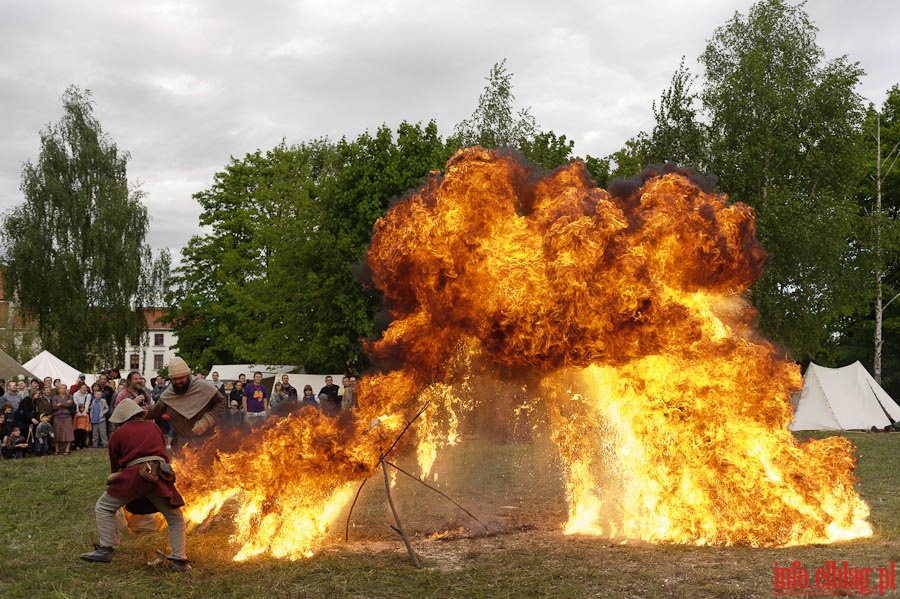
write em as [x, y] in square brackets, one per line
[399, 528]
[350, 513]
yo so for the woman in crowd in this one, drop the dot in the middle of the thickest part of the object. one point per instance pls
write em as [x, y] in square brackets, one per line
[278, 401]
[25, 416]
[308, 398]
[61, 404]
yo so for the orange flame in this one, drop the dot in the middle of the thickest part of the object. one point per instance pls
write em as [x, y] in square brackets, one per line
[623, 317]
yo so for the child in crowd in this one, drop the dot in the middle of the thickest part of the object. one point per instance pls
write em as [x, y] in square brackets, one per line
[98, 411]
[15, 444]
[43, 436]
[234, 416]
[81, 424]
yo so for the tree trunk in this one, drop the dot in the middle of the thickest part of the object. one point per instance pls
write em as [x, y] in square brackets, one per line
[879, 309]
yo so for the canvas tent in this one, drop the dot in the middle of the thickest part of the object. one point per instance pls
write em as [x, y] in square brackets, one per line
[10, 369]
[46, 364]
[845, 398]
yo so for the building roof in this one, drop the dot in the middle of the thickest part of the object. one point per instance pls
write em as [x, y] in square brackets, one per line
[153, 317]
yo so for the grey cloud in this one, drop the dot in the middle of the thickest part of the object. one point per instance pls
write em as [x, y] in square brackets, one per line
[185, 85]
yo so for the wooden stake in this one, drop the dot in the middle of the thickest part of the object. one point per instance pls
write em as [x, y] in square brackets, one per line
[399, 528]
[350, 513]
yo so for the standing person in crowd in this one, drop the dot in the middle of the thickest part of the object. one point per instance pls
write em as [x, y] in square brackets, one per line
[134, 390]
[81, 396]
[139, 465]
[243, 379]
[61, 404]
[278, 401]
[256, 400]
[193, 405]
[43, 436]
[329, 407]
[237, 392]
[25, 416]
[227, 387]
[99, 410]
[215, 381]
[12, 396]
[6, 424]
[308, 398]
[331, 403]
[349, 401]
[345, 383]
[288, 388]
[81, 426]
[108, 390]
[21, 387]
[77, 385]
[42, 402]
[234, 416]
[159, 385]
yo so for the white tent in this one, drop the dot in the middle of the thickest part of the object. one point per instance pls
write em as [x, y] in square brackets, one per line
[842, 399]
[46, 364]
[10, 369]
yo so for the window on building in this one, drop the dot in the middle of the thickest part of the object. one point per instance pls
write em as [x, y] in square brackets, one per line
[157, 361]
[134, 362]
[157, 339]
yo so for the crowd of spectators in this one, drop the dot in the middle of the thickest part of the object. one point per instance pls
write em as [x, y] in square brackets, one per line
[49, 417]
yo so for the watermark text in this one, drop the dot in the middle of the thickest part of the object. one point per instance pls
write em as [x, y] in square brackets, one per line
[834, 578]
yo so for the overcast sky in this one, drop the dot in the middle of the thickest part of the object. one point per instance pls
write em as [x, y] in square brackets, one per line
[184, 85]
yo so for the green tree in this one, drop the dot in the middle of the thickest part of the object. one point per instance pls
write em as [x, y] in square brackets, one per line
[495, 123]
[785, 138]
[75, 246]
[678, 135]
[239, 292]
[879, 250]
[371, 171]
[548, 150]
[273, 282]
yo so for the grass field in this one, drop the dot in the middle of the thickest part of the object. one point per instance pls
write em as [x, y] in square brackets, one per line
[46, 511]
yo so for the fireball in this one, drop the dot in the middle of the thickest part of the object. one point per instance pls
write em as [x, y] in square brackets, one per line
[622, 314]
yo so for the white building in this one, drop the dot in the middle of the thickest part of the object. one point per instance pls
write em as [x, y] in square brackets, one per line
[161, 338]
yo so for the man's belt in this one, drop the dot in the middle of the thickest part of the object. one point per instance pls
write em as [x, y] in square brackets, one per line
[144, 460]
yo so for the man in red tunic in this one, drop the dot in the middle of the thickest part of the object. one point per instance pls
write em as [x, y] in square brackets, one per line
[136, 444]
